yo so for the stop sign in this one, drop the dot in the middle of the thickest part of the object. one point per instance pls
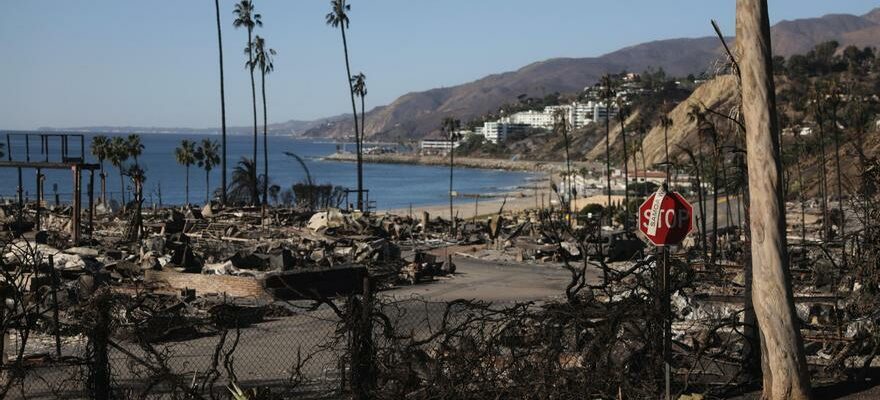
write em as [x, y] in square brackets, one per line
[674, 218]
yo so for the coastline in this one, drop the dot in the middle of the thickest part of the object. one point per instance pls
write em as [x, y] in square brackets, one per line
[531, 194]
[460, 162]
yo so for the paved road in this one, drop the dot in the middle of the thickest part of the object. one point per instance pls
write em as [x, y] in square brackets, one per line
[492, 281]
[267, 352]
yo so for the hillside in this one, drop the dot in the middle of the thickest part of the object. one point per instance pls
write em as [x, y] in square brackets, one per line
[416, 114]
[718, 94]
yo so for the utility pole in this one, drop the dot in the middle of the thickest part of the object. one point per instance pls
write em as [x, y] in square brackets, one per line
[785, 374]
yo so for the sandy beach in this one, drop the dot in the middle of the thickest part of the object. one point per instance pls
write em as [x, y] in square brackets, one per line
[533, 195]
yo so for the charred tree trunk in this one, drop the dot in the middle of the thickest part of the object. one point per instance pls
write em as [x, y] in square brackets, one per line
[625, 171]
[785, 371]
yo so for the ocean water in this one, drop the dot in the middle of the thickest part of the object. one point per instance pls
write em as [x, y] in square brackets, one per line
[391, 185]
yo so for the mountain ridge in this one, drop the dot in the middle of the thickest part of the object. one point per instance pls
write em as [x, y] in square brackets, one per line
[418, 114]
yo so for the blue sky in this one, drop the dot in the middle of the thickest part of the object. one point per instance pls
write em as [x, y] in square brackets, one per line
[147, 63]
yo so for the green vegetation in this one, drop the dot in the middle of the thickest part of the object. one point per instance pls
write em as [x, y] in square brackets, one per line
[100, 148]
[208, 157]
[245, 186]
[185, 154]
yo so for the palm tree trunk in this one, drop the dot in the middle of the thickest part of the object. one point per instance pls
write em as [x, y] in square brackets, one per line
[785, 368]
[207, 186]
[360, 173]
[255, 196]
[222, 106]
[625, 176]
[802, 200]
[187, 185]
[823, 178]
[839, 191]
[363, 131]
[568, 191]
[103, 177]
[122, 187]
[666, 148]
[265, 145]
[451, 166]
[714, 196]
[702, 197]
[608, 154]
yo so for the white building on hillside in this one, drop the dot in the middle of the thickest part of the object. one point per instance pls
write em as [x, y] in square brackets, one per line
[497, 131]
[537, 119]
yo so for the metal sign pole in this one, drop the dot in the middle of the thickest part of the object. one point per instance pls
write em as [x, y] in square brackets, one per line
[667, 322]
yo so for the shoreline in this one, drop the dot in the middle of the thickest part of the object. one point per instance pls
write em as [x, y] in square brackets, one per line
[552, 167]
[532, 193]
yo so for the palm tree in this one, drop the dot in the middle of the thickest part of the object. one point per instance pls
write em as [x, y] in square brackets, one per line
[607, 94]
[185, 154]
[263, 60]
[222, 105]
[819, 111]
[560, 125]
[695, 114]
[451, 127]
[245, 16]
[117, 155]
[666, 123]
[100, 148]
[136, 173]
[244, 184]
[359, 86]
[135, 147]
[338, 18]
[622, 115]
[208, 157]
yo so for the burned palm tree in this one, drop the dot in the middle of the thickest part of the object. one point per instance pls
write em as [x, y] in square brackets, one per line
[622, 114]
[608, 95]
[561, 126]
[819, 111]
[666, 123]
[705, 128]
[452, 129]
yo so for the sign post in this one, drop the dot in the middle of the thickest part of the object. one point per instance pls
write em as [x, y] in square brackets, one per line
[666, 219]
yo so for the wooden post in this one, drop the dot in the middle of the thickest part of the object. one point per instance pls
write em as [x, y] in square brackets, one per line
[77, 205]
[20, 217]
[39, 198]
[99, 338]
[91, 203]
[785, 368]
[56, 320]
